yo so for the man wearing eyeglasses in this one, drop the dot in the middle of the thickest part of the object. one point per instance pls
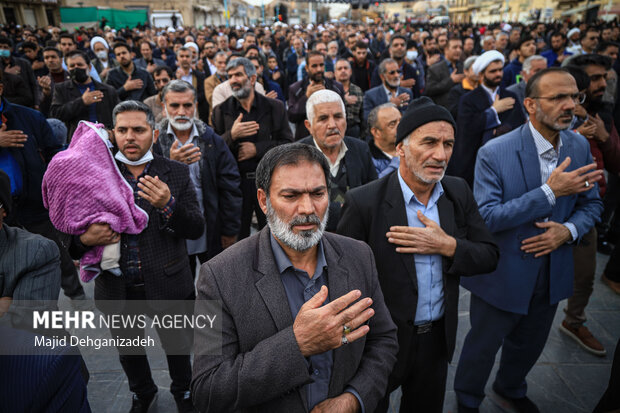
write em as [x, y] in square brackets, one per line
[390, 89]
[536, 190]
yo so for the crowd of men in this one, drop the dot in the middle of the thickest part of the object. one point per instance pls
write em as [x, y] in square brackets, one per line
[335, 185]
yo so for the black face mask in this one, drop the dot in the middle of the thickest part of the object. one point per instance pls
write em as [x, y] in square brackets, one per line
[79, 75]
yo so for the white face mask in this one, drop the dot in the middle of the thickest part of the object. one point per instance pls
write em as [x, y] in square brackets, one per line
[412, 55]
[103, 55]
[147, 157]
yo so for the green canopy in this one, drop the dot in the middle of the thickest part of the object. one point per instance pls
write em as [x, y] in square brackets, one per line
[117, 19]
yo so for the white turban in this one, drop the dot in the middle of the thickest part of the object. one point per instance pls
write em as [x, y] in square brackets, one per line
[192, 45]
[96, 40]
[572, 32]
[485, 59]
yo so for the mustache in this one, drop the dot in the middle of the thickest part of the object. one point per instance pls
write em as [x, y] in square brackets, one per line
[333, 131]
[178, 118]
[304, 220]
[601, 89]
[442, 164]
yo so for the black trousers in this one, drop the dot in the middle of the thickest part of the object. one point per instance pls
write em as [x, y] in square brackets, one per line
[611, 398]
[612, 269]
[423, 376]
[250, 205]
[202, 258]
[69, 280]
[136, 364]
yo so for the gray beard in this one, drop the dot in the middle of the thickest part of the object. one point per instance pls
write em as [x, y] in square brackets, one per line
[298, 242]
[182, 126]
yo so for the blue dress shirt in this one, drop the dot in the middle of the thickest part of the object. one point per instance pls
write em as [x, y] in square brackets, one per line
[300, 288]
[428, 268]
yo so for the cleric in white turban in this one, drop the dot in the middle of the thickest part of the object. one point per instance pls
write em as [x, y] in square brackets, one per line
[485, 59]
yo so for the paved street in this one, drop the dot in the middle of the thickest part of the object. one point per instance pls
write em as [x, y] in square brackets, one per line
[565, 379]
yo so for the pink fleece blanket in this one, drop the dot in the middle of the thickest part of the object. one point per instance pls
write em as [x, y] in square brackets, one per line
[83, 186]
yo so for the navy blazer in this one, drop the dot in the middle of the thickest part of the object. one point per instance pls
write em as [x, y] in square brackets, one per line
[508, 190]
[376, 96]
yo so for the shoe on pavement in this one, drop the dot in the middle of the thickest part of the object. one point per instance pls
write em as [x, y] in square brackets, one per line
[584, 338]
[142, 405]
[464, 409]
[521, 405]
[615, 286]
[184, 403]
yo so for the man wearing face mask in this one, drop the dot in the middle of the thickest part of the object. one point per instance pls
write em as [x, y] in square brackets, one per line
[19, 67]
[153, 263]
[82, 98]
[103, 63]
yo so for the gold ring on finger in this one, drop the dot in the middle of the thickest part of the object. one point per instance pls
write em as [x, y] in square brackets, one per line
[346, 329]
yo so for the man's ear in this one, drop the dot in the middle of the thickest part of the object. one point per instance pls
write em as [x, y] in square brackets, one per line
[400, 150]
[261, 195]
[307, 124]
[155, 135]
[530, 106]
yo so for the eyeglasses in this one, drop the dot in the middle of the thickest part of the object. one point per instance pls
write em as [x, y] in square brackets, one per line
[577, 98]
[393, 72]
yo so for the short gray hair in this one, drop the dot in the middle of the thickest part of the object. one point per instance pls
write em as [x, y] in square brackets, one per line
[289, 154]
[373, 116]
[322, 96]
[469, 62]
[485, 38]
[221, 53]
[500, 34]
[332, 42]
[383, 65]
[527, 63]
[184, 49]
[134, 106]
[177, 86]
[248, 66]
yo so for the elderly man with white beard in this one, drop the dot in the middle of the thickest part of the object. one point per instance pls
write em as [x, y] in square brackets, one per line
[304, 324]
[212, 169]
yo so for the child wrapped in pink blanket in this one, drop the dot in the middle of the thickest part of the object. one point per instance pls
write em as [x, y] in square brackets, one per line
[83, 186]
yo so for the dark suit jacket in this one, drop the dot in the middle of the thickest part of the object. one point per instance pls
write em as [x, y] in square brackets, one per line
[439, 83]
[360, 171]
[297, 103]
[117, 78]
[371, 210]
[377, 96]
[274, 129]
[29, 265]
[17, 91]
[68, 106]
[26, 74]
[221, 196]
[166, 271]
[472, 129]
[260, 368]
